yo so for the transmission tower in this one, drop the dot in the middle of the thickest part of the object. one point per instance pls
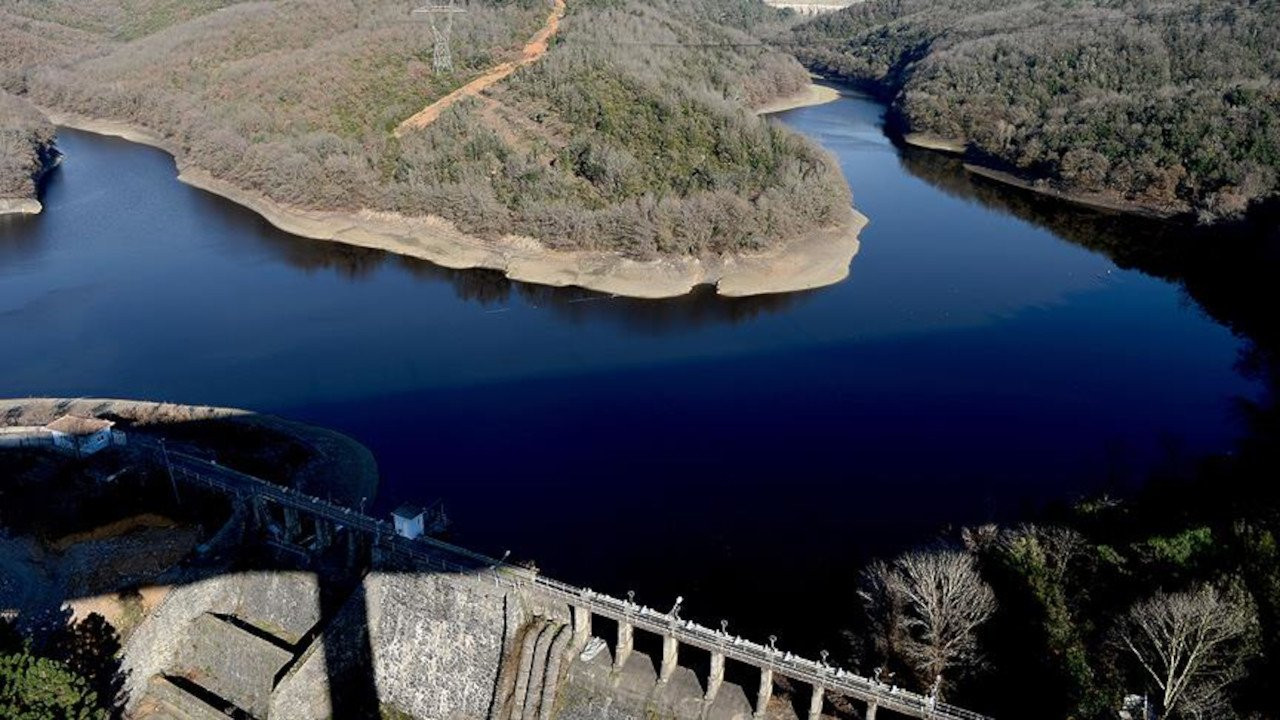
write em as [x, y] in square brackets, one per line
[440, 13]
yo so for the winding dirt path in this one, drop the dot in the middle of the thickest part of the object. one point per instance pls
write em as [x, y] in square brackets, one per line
[534, 49]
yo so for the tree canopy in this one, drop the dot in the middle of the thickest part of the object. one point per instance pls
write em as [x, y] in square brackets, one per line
[1167, 106]
[633, 134]
[36, 688]
[26, 147]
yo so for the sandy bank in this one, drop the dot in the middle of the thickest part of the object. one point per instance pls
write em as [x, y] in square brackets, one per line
[815, 94]
[929, 141]
[816, 259]
[337, 466]
[1093, 200]
[951, 146]
[20, 206]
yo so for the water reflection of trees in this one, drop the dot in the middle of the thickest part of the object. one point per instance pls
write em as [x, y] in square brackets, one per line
[491, 288]
[20, 241]
[1230, 271]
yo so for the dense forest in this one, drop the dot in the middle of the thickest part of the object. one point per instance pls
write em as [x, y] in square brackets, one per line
[644, 147]
[1170, 106]
[26, 148]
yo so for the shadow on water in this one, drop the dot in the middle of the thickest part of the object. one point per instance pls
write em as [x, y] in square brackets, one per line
[1228, 270]
[491, 288]
[17, 244]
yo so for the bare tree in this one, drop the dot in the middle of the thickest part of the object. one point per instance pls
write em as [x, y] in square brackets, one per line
[1060, 547]
[1193, 645]
[927, 607]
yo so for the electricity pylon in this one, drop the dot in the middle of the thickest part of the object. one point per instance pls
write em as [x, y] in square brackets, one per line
[440, 13]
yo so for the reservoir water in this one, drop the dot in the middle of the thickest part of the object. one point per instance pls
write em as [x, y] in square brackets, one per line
[980, 362]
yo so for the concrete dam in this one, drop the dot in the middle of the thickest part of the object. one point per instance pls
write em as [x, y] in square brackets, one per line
[371, 622]
[811, 7]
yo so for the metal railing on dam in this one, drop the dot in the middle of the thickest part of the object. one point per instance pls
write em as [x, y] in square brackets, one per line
[447, 557]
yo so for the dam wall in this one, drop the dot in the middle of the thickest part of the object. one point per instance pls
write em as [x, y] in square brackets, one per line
[438, 646]
[438, 642]
[178, 637]
[416, 627]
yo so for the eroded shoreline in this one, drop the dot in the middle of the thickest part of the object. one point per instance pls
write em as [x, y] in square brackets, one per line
[812, 95]
[1097, 201]
[20, 206]
[817, 259]
[340, 468]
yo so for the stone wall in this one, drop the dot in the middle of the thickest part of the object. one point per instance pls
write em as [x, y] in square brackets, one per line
[594, 690]
[235, 664]
[441, 647]
[438, 643]
[154, 646]
[283, 604]
[303, 693]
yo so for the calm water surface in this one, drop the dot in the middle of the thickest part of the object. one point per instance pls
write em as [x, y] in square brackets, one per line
[746, 454]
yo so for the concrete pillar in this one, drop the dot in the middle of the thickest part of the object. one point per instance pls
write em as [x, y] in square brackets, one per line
[261, 516]
[626, 635]
[670, 657]
[815, 702]
[581, 628]
[292, 523]
[324, 533]
[716, 677]
[765, 693]
[871, 710]
[353, 548]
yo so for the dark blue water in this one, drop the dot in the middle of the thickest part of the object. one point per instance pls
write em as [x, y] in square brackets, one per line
[746, 454]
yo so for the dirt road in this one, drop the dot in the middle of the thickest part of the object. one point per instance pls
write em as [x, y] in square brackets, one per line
[534, 49]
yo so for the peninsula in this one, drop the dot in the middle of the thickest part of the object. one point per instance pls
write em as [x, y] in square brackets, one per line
[1168, 109]
[26, 154]
[549, 151]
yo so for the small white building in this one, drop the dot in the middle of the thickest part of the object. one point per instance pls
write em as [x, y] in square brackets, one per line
[410, 521]
[80, 435]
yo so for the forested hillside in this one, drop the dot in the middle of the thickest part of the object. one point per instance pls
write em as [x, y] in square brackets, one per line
[1170, 105]
[621, 138]
[26, 148]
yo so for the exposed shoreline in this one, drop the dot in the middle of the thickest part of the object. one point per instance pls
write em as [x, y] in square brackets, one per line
[20, 206]
[340, 467]
[1092, 200]
[950, 146]
[958, 148]
[813, 95]
[819, 258]
[929, 141]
